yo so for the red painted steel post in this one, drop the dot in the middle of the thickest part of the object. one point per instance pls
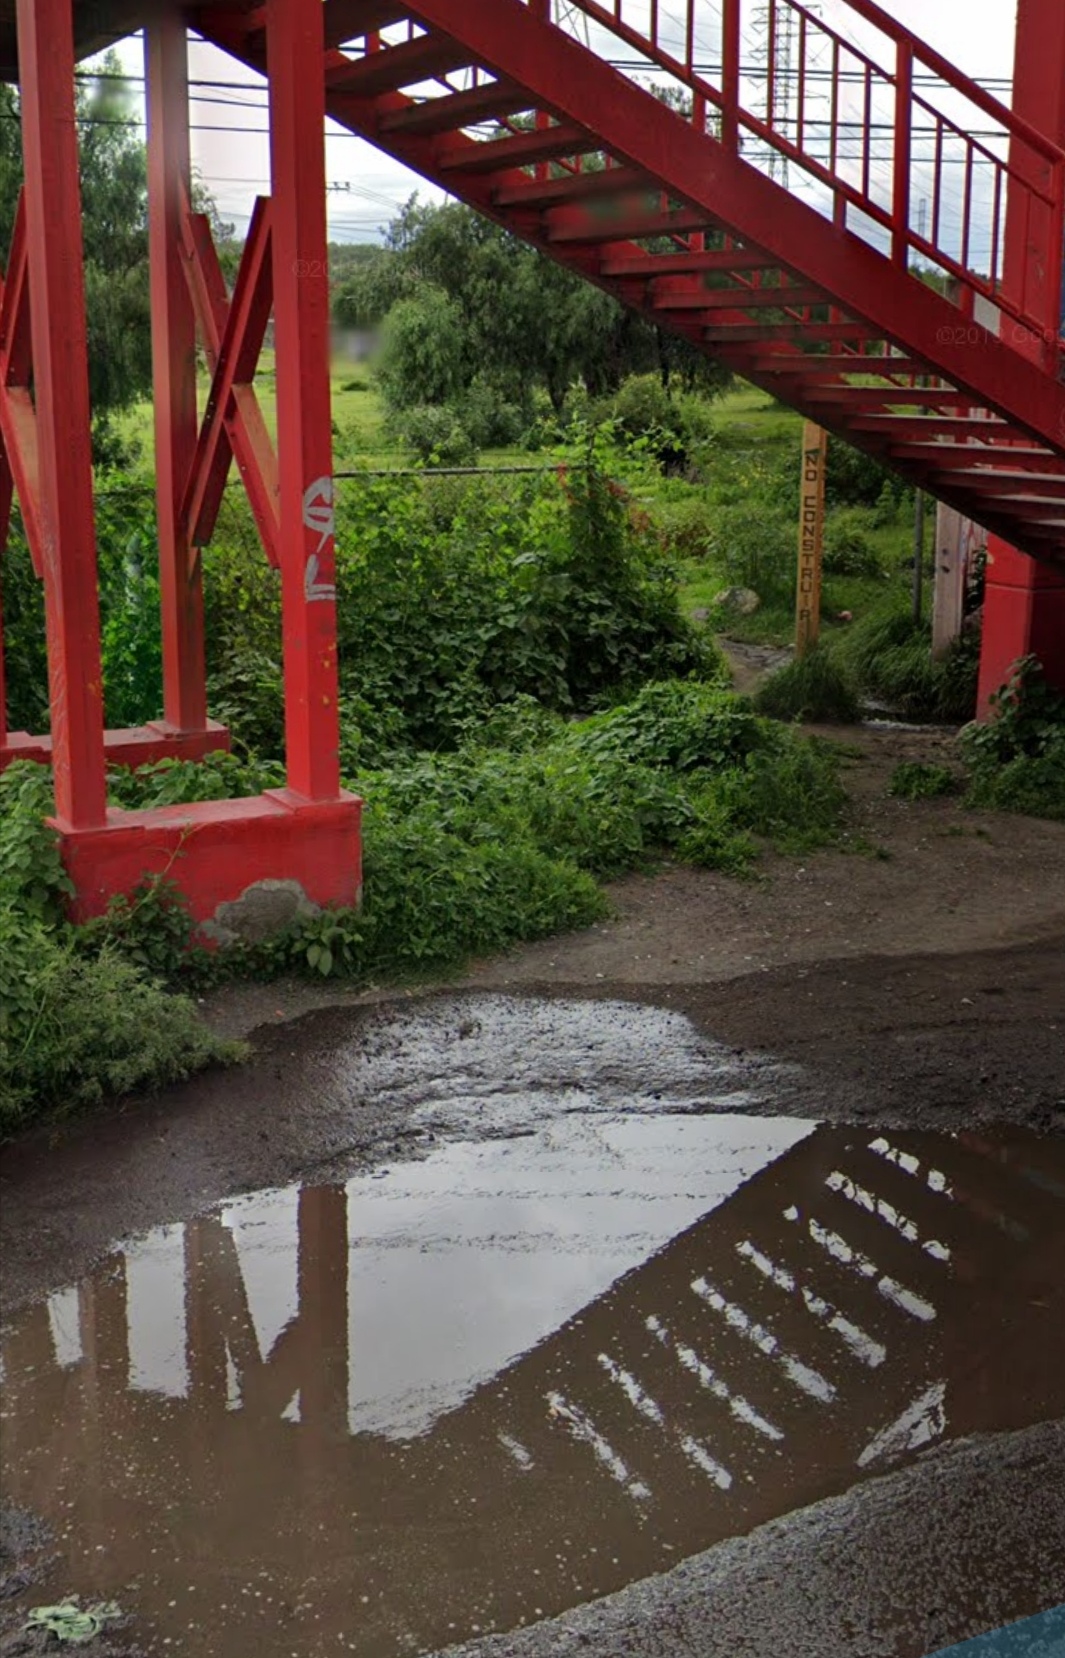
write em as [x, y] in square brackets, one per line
[295, 57]
[900, 207]
[174, 370]
[7, 496]
[1024, 608]
[730, 73]
[61, 382]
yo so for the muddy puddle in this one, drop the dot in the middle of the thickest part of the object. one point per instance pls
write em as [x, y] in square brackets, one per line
[460, 1394]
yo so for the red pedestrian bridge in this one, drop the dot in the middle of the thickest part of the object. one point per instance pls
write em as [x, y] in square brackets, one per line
[827, 205]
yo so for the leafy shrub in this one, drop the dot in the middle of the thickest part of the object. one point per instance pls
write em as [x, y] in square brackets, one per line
[849, 547]
[673, 425]
[32, 878]
[490, 420]
[457, 595]
[855, 479]
[77, 1029]
[130, 623]
[1017, 759]
[813, 687]
[79, 1019]
[687, 527]
[424, 351]
[170, 782]
[917, 780]
[757, 550]
[435, 435]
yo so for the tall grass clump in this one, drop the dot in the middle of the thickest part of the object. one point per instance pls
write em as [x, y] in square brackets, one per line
[889, 658]
[812, 687]
[77, 1023]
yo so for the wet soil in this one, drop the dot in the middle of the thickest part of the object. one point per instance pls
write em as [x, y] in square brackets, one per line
[468, 1392]
[918, 991]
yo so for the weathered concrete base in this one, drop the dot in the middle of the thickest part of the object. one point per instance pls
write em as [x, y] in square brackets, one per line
[262, 911]
[216, 850]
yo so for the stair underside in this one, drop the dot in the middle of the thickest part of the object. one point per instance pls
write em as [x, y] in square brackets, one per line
[625, 192]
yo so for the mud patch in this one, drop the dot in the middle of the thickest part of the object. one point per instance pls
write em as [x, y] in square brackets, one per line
[463, 1394]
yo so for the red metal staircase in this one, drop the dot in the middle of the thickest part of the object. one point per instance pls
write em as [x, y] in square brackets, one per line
[902, 287]
[828, 207]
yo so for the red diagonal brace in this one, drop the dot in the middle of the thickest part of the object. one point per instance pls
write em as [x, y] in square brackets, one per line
[233, 425]
[18, 419]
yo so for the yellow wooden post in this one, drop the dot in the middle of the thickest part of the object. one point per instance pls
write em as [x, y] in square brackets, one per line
[811, 538]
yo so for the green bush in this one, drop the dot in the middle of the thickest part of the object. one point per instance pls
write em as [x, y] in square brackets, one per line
[855, 479]
[917, 780]
[813, 687]
[79, 1019]
[1017, 759]
[687, 526]
[455, 599]
[849, 547]
[77, 1029]
[435, 436]
[757, 550]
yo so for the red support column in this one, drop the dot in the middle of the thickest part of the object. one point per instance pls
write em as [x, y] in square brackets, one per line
[295, 58]
[7, 496]
[61, 382]
[1024, 608]
[174, 371]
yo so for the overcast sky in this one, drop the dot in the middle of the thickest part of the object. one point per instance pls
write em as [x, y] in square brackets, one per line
[975, 34]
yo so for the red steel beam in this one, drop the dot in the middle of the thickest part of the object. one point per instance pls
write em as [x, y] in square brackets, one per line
[1024, 609]
[1005, 457]
[173, 370]
[18, 417]
[455, 110]
[738, 299]
[295, 47]
[575, 187]
[232, 335]
[233, 422]
[61, 384]
[406, 65]
[727, 260]
[523, 149]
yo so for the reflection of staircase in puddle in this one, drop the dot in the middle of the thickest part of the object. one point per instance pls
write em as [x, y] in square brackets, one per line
[856, 1301]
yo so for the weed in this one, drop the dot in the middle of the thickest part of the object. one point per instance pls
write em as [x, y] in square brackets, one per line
[80, 1016]
[813, 687]
[917, 780]
[889, 658]
[1017, 759]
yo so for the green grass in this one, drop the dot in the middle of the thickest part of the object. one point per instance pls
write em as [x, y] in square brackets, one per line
[359, 436]
[812, 687]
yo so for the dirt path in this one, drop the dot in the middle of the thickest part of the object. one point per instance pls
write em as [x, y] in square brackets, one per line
[919, 975]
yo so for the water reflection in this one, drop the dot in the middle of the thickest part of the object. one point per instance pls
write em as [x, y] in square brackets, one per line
[386, 1415]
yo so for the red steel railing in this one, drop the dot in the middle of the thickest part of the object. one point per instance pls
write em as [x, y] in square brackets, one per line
[927, 157]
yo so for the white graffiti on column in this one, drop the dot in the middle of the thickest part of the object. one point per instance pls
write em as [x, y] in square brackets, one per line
[318, 514]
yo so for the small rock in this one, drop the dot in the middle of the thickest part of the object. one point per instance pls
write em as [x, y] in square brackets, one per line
[737, 601]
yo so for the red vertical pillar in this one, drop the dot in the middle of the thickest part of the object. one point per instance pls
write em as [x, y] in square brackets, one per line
[174, 370]
[61, 383]
[1024, 607]
[7, 496]
[296, 66]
